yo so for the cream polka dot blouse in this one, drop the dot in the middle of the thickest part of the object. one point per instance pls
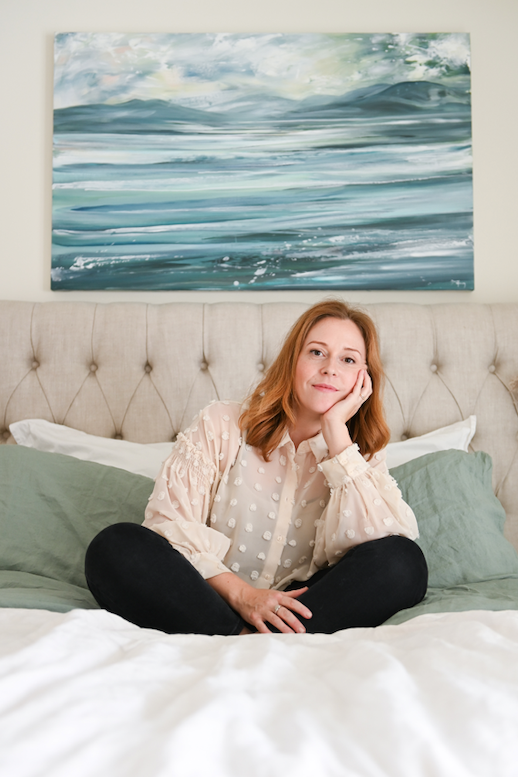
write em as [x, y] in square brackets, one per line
[225, 509]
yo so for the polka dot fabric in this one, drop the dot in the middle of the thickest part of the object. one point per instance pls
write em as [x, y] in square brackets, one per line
[220, 504]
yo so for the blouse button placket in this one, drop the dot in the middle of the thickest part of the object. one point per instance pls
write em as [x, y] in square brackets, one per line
[285, 503]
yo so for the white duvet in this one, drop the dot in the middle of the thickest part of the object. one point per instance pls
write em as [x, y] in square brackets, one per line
[86, 694]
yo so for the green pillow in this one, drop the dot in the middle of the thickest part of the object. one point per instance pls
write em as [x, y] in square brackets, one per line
[52, 505]
[460, 519]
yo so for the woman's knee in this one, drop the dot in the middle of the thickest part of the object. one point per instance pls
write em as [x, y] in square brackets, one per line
[399, 565]
[406, 570]
[107, 545]
[120, 553]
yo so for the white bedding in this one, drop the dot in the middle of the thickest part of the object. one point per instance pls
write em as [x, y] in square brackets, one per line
[87, 694]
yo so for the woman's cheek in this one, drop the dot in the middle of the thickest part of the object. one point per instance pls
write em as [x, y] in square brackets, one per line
[354, 381]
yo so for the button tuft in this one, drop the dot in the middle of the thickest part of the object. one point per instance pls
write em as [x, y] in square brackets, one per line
[35, 365]
[433, 367]
[93, 368]
[204, 366]
[492, 368]
[148, 368]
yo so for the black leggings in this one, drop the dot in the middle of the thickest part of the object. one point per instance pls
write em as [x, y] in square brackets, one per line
[137, 574]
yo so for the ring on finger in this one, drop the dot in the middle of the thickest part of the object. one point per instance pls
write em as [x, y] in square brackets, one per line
[276, 609]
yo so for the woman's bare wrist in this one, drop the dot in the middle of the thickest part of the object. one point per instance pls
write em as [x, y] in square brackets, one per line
[228, 586]
[337, 437]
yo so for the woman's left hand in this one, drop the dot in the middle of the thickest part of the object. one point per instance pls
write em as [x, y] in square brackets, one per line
[334, 421]
[260, 607]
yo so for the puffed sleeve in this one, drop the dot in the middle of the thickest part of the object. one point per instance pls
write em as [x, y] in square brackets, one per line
[365, 504]
[180, 502]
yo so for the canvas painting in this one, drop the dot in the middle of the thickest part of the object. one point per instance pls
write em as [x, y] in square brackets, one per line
[262, 161]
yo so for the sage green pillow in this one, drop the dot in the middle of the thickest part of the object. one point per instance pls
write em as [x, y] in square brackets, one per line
[51, 506]
[460, 519]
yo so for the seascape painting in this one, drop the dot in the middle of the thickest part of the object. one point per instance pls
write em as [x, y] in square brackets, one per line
[262, 161]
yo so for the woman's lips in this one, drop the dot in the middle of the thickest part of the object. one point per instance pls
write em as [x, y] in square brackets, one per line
[324, 387]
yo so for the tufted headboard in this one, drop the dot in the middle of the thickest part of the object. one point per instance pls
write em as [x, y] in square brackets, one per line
[140, 372]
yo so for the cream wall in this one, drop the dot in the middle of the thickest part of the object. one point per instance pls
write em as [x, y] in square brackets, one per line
[26, 42]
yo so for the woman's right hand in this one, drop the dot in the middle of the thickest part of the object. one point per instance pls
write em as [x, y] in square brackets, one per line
[260, 607]
[334, 421]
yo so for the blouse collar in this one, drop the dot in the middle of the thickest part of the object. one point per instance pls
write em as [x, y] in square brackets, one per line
[317, 445]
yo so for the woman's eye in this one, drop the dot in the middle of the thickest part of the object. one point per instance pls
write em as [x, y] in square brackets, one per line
[315, 352]
[349, 360]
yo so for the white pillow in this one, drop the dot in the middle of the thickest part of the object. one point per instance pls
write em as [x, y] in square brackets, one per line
[55, 438]
[456, 436]
[147, 459]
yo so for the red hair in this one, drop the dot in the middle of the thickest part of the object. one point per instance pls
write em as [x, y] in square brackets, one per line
[271, 407]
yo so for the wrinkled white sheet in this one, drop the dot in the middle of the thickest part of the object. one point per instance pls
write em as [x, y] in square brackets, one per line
[85, 694]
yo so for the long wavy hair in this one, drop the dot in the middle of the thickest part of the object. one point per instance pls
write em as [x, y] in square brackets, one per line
[271, 408]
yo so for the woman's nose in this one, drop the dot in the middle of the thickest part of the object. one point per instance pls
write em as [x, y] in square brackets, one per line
[328, 368]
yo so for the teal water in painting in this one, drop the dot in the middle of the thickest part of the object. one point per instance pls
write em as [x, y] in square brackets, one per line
[369, 191]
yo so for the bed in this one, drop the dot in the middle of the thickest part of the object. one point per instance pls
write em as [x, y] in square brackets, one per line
[92, 397]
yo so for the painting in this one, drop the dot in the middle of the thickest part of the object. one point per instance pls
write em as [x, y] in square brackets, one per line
[262, 162]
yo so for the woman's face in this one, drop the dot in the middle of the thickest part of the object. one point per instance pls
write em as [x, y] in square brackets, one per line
[327, 369]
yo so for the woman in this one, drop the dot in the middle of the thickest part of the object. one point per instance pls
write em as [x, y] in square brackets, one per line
[279, 515]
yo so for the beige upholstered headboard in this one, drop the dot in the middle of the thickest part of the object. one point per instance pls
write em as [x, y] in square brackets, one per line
[140, 371]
